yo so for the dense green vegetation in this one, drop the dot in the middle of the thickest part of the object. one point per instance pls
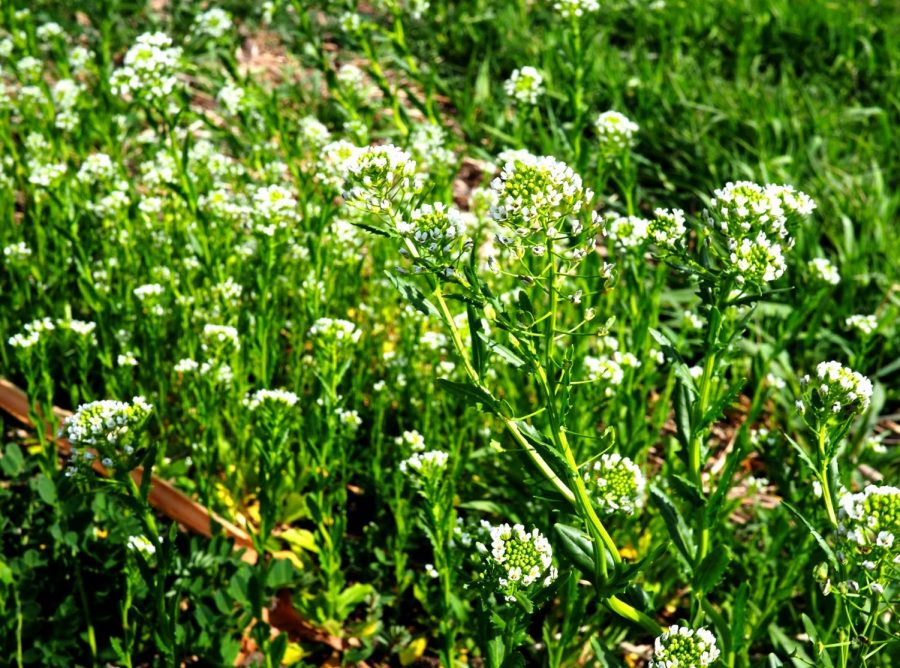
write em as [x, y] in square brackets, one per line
[497, 333]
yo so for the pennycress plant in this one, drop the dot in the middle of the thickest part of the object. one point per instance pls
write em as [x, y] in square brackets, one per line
[427, 472]
[861, 570]
[739, 250]
[272, 419]
[110, 434]
[545, 243]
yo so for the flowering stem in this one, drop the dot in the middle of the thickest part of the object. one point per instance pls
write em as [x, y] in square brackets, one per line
[824, 462]
[510, 424]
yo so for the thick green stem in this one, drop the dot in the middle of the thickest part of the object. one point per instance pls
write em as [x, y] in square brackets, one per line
[824, 478]
[622, 609]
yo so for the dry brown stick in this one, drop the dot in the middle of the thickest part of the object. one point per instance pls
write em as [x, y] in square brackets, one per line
[163, 496]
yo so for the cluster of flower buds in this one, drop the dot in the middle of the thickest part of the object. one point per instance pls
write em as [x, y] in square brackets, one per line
[753, 222]
[378, 176]
[616, 484]
[575, 9]
[615, 134]
[836, 392]
[437, 233]
[822, 271]
[268, 400]
[517, 559]
[149, 69]
[425, 467]
[108, 427]
[869, 527]
[682, 647]
[525, 85]
[335, 331]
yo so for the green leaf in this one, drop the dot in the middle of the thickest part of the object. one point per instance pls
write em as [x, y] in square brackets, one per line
[280, 573]
[496, 652]
[46, 489]
[483, 506]
[719, 405]
[675, 524]
[812, 632]
[683, 414]
[371, 228]
[411, 293]
[351, 597]
[802, 453]
[714, 505]
[739, 615]
[577, 546]
[712, 568]
[470, 393]
[826, 548]
[687, 490]
[476, 333]
[503, 352]
[13, 462]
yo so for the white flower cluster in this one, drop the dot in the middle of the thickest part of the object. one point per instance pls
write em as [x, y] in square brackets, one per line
[378, 174]
[604, 369]
[609, 367]
[436, 231]
[335, 329]
[17, 252]
[616, 484]
[353, 80]
[333, 163]
[29, 67]
[836, 391]
[313, 132]
[667, 228]
[534, 192]
[865, 324]
[518, 558]
[231, 96]
[349, 418]
[425, 465]
[615, 133]
[525, 85]
[49, 31]
[66, 94]
[47, 175]
[681, 647]
[823, 271]
[413, 439]
[869, 525]
[575, 9]
[141, 544]
[106, 423]
[267, 399]
[222, 337]
[149, 69]
[753, 221]
[276, 207]
[96, 168]
[427, 142]
[626, 231]
[32, 333]
[214, 23]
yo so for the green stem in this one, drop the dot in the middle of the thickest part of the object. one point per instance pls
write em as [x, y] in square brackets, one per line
[622, 609]
[824, 464]
[91, 635]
